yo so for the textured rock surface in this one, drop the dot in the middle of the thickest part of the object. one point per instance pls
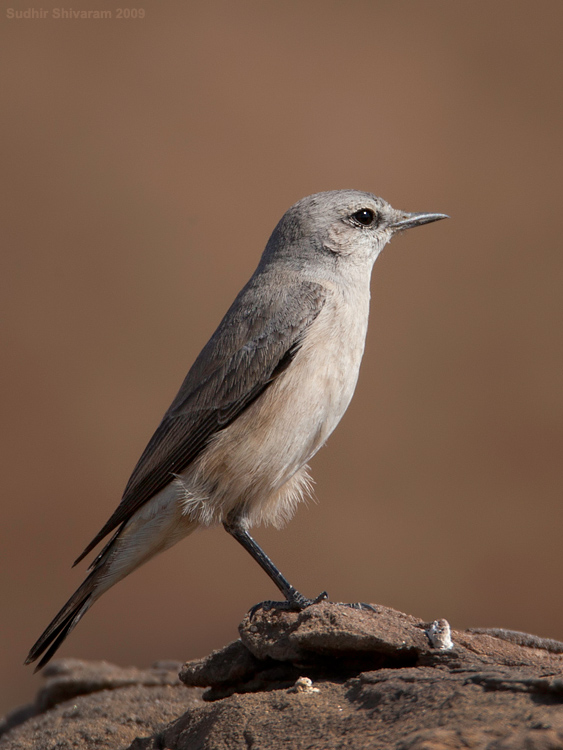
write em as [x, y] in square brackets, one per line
[377, 682]
[89, 705]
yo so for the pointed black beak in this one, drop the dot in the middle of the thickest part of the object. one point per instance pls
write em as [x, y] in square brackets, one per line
[407, 221]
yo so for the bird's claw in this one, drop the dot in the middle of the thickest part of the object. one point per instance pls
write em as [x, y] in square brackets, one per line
[299, 602]
[296, 604]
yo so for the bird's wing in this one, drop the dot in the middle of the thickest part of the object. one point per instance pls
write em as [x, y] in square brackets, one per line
[252, 346]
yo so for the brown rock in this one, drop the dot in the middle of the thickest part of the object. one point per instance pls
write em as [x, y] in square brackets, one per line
[327, 628]
[96, 705]
[327, 677]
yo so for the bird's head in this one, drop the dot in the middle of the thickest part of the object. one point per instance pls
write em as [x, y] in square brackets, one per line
[340, 227]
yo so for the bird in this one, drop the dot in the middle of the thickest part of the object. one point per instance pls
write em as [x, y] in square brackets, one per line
[260, 400]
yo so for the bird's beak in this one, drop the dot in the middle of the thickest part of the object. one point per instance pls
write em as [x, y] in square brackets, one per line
[407, 221]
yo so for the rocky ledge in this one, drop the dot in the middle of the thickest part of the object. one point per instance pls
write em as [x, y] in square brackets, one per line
[328, 677]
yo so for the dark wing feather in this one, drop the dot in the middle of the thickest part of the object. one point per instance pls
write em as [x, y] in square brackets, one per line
[252, 346]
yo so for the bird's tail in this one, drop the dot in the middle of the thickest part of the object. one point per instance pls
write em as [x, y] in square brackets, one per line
[133, 544]
[78, 604]
[66, 620]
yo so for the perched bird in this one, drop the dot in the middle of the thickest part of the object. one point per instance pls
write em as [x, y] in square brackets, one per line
[262, 397]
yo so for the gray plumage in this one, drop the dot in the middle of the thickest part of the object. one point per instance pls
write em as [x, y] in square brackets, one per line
[260, 400]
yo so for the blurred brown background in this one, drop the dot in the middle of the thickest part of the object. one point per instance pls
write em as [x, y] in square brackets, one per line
[145, 163]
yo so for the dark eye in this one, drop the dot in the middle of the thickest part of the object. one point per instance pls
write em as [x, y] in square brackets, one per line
[365, 216]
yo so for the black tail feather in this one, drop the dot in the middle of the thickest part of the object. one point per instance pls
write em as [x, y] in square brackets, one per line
[97, 539]
[57, 639]
[65, 621]
[95, 542]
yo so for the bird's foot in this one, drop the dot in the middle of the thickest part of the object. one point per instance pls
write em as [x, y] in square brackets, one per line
[297, 603]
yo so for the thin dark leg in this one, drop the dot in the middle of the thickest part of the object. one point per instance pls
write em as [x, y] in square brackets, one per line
[293, 596]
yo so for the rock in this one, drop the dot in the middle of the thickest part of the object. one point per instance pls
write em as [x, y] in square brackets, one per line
[334, 641]
[326, 640]
[327, 628]
[91, 705]
[328, 677]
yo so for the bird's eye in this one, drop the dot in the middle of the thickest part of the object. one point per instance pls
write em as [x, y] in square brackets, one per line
[365, 216]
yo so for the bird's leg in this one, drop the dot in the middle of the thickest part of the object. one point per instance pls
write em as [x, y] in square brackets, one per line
[294, 598]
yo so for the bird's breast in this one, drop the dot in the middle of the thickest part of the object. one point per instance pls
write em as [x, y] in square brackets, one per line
[257, 454]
